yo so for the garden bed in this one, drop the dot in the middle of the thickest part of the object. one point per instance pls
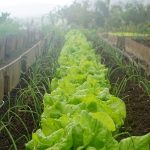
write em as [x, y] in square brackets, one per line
[20, 114]
[135, 97]
[19, 130]
[15, 127]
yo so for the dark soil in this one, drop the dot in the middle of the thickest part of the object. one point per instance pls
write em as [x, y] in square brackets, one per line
[15, 126]
[138, 110]
[46, 69]
[21, 131]
[136, 99]
[17, 130]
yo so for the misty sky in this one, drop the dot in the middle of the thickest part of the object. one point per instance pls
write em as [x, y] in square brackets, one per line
[34, 8]
[30, 8]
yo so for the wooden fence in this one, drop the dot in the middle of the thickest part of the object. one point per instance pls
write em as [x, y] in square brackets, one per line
[15, 43]
[10, 74]
[137, 51]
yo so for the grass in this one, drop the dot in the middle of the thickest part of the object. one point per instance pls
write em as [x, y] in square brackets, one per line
[121, 74]
[10, 135]
[22, 112]
[130, 69]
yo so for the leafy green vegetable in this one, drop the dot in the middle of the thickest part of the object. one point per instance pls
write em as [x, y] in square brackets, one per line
[136, 143]
[80, 113]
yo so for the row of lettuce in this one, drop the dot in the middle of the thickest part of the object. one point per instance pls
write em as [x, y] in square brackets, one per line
[80, 113]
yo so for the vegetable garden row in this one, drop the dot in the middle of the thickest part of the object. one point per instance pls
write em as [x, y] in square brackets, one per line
[20, 114]
[80, 113]
[136, 51]
[10, 73]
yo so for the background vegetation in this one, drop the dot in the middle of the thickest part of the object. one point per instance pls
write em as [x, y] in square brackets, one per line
[131, 16]
[7, 25]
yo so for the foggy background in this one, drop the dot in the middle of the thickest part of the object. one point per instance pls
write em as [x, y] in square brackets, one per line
[37, 8]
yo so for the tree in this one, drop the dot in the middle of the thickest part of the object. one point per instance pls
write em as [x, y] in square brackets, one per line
[78, 14]
[4, 17]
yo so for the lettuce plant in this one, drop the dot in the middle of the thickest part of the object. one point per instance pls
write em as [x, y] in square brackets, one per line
[80, 113]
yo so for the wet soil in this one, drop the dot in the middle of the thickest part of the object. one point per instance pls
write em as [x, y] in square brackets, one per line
[20, 130]
[135, 97]
[16, 120]
[138, 110]
[14, 126]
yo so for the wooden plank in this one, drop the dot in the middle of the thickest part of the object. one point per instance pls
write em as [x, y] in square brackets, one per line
[2, 49]
[126, 55]
[12, 75]
[11, 45]
[1, 85]
[40, 48]
[139, 50]
[134, 51]
[20, 42]
[31, 56]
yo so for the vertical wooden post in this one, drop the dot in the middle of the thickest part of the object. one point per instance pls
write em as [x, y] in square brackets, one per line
[121, 43]
[1, 85]
[6, 84]
[23, 64]
[2, 49]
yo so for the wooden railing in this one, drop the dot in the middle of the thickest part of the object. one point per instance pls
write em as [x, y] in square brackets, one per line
[10, 73]
[133, 49]
[13, 44]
